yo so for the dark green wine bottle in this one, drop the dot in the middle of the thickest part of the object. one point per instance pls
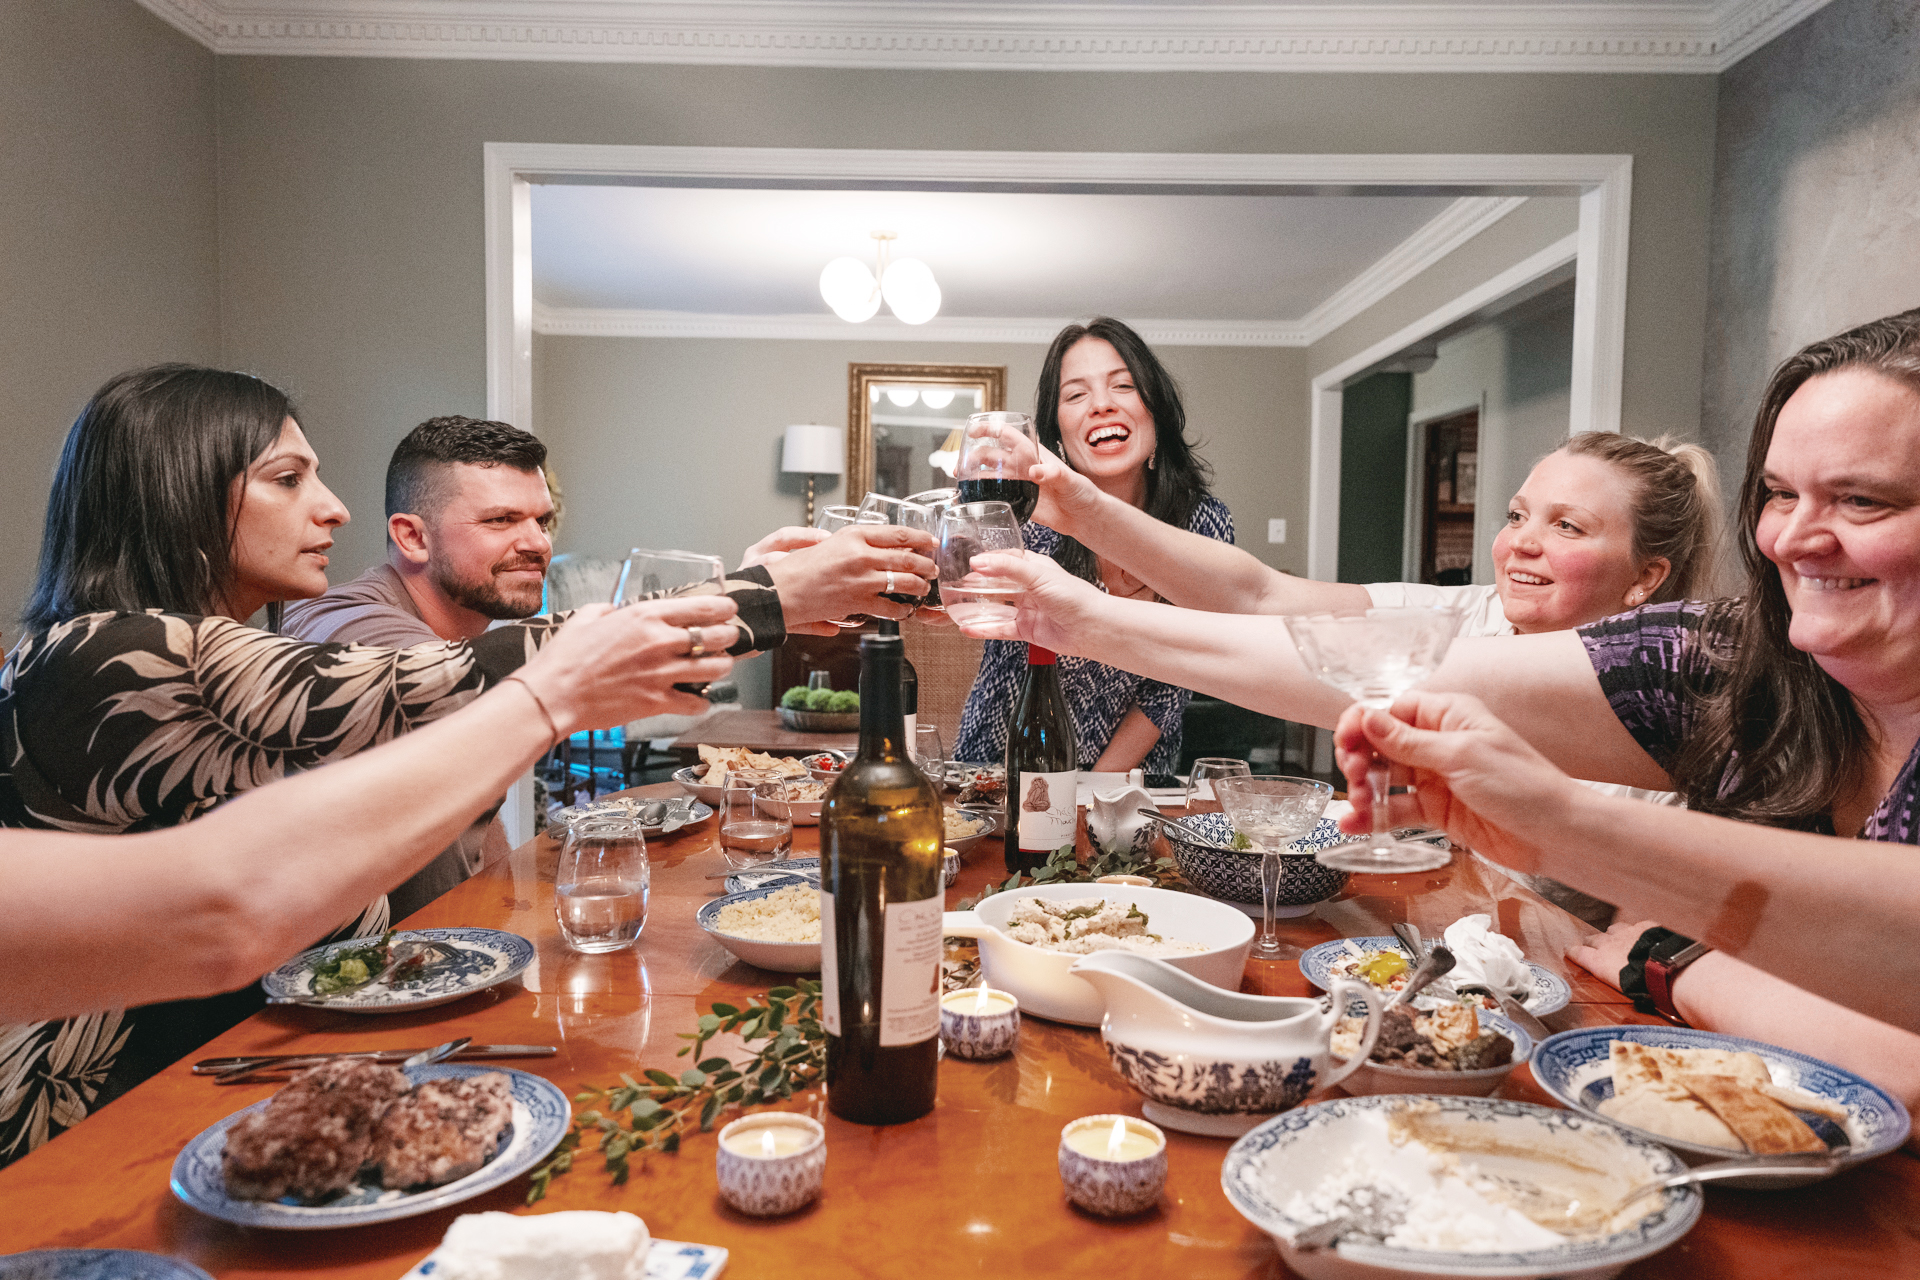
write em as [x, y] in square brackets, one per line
[881, 900]
[1042, 767]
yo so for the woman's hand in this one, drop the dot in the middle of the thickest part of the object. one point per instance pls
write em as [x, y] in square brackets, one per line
[776, 545]
[1604, 955]
[609, 666]
[1055, 608]
[845, 574]
[1472, 775]
[1069, 501]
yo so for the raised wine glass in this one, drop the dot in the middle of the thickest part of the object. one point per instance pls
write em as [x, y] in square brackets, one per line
[966, 530]
[997, 454]
[884, 508]
[1271, 812]
[922, 511]
[646, 573]
[1373, 658]
[1208, 770]
[834, 519]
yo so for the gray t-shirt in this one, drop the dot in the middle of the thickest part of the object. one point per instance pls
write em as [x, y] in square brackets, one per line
[375, 609]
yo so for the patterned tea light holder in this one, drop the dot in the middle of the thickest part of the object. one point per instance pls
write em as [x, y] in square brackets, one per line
[1113, 1165]
[979, 1022]
[772, 1163]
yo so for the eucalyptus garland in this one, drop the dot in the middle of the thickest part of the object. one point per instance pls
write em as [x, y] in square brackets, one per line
[1063, 866]
[652, 1116]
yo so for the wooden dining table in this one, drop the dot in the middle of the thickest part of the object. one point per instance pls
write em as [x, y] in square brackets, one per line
[759, 731]
[970, 1189]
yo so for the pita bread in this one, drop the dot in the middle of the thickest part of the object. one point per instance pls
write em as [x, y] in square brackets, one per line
[1800, 1100]
[721, 761]
[1636, 1065]
[1671, 1112]
[1764, 1126]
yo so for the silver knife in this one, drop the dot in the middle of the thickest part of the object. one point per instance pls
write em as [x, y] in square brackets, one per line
[280, 1061]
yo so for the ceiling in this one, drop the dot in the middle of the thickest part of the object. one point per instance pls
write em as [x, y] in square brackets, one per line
[1699, 36]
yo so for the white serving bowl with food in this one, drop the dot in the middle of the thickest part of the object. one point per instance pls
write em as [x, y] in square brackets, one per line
[767, 927]
[1461, 1033]
[1450, 1178]
[1040, 977]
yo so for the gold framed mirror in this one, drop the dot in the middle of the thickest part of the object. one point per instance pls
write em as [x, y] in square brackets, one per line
[901, 419]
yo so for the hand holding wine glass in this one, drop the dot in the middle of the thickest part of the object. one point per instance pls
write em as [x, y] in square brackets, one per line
[997, 455]
[646, 574]
[1373, 658]
[968, 530]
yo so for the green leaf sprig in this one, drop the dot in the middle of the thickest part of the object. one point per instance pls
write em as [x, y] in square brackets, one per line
[1063, 866]
[654, 1115]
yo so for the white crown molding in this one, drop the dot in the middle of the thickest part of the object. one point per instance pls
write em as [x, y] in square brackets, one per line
[1458, 223]
[590, 322]
[1707, 36]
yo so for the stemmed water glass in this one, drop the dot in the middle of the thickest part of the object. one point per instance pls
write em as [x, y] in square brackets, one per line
[1206, 771]
[997, 454]
[1373, 658]
[966, 530]
[646, 573]
[1272, 812]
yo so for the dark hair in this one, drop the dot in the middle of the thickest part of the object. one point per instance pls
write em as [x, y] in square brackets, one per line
[139, 513]
[1676, 506]
[1177, 481]
[417, 473]
[1797, 735]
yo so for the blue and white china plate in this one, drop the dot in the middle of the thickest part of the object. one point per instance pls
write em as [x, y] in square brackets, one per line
[96, 1264]
[666, 1260]
[774, 875]
[1576, 1067]
[488, 958]
[1550, 992]
[1296, 1149]
[540, 1118]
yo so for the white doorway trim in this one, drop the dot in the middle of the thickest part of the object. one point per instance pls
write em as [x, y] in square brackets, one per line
[1599, 248]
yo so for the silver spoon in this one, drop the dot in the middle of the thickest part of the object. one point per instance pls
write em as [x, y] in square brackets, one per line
[1437, 963]
[1410, 939]
[1188, 835]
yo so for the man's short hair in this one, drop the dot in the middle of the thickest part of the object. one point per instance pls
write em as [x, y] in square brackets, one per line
[419, 473]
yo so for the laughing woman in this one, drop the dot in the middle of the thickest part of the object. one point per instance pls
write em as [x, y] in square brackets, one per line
[1109, 408]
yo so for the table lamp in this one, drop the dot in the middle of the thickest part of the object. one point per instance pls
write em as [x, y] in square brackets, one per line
[814, 451]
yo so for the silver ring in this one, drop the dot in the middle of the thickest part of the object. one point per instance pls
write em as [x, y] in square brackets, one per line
[696, 646]
[889, 587]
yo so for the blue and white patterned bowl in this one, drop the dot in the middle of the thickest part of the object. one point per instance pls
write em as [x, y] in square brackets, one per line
[1235, 877]
[489, 957]
[1295, 1151]
[1576, 1067]
[1385, 1077]
[1550, 994]
[540, 1118]
[96, 1264]
[780, 957]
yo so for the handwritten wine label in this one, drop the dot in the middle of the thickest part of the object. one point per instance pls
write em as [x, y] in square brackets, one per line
[1047, 812]
[910, 972]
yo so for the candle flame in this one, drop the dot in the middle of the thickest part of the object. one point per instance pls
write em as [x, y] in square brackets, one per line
[1115, 1140]
[766, 1142]
[980, 1001]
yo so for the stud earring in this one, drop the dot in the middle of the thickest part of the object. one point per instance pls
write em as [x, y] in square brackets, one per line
[1150, 458]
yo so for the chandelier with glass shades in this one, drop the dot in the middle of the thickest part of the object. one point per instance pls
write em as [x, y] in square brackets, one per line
[855, 291]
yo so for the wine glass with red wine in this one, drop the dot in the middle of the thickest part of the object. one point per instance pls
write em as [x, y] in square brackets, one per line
[997, 454]
[646, 574]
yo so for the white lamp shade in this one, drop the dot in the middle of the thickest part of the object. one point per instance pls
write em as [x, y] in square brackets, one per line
[848, 287]
[911, 290]
[816, 450]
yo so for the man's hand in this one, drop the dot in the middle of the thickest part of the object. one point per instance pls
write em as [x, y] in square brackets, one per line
[778, 544]
[845, 574]
[1055, 609]
[609, 666]
[1472, 775]
[1069, 502]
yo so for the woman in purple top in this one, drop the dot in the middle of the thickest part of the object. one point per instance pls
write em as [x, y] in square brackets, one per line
[1797, 708]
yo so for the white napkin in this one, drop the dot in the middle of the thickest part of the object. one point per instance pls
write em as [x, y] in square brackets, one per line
[1483, 958]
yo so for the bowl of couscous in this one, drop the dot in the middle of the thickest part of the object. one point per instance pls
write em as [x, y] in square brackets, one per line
[775, 928]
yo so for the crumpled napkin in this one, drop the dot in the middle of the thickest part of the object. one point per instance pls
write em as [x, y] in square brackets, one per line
[1483, 958]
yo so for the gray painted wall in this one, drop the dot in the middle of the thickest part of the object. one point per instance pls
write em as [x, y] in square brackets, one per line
[351, 223]
[107, 232]
[1816, 200]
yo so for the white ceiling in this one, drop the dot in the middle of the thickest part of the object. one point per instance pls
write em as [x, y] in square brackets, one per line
[1064, 35]
[995, 254]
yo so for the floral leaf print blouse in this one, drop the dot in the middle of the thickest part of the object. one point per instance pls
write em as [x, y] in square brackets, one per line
[115, 722]
[1098, 696]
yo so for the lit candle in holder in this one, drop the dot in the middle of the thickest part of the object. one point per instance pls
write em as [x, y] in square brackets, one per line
[1113, 1165]
[979, 1022]
[771, 1163]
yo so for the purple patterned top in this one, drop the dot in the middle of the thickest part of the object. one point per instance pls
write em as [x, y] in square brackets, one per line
[1654, 666]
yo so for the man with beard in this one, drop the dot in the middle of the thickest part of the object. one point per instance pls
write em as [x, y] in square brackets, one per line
[467, 517]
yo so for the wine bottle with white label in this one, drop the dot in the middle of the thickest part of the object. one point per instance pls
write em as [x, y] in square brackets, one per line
[1042, 764]
[881, 901]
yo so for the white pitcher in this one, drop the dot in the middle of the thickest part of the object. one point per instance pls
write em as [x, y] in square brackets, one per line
[1197, 1050]
[1114, 821]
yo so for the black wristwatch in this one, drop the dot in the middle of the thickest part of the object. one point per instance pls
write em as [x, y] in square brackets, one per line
[1653, 964]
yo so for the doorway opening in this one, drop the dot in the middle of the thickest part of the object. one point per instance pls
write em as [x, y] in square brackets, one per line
[1450, 476]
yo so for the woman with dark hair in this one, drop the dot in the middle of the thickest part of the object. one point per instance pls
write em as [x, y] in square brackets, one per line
[1797, 707]
[1108, 407]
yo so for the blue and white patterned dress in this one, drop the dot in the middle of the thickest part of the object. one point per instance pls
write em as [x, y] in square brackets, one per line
[1098, 695]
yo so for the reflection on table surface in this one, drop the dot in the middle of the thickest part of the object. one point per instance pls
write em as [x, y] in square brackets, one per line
[970, 1189]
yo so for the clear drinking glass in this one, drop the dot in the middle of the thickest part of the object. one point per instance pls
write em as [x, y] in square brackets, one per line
[1373, 658]
[600, 887]
[646, 573]
[1272, 812]
[923, 511]
[883, 508]
[967, 530]
[997, 454]
[1205, 770]
[756, 818]
[834, 519]
[929, 753]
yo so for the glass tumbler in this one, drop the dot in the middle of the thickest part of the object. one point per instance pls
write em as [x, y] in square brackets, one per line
[756, 818]
[600, 888]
